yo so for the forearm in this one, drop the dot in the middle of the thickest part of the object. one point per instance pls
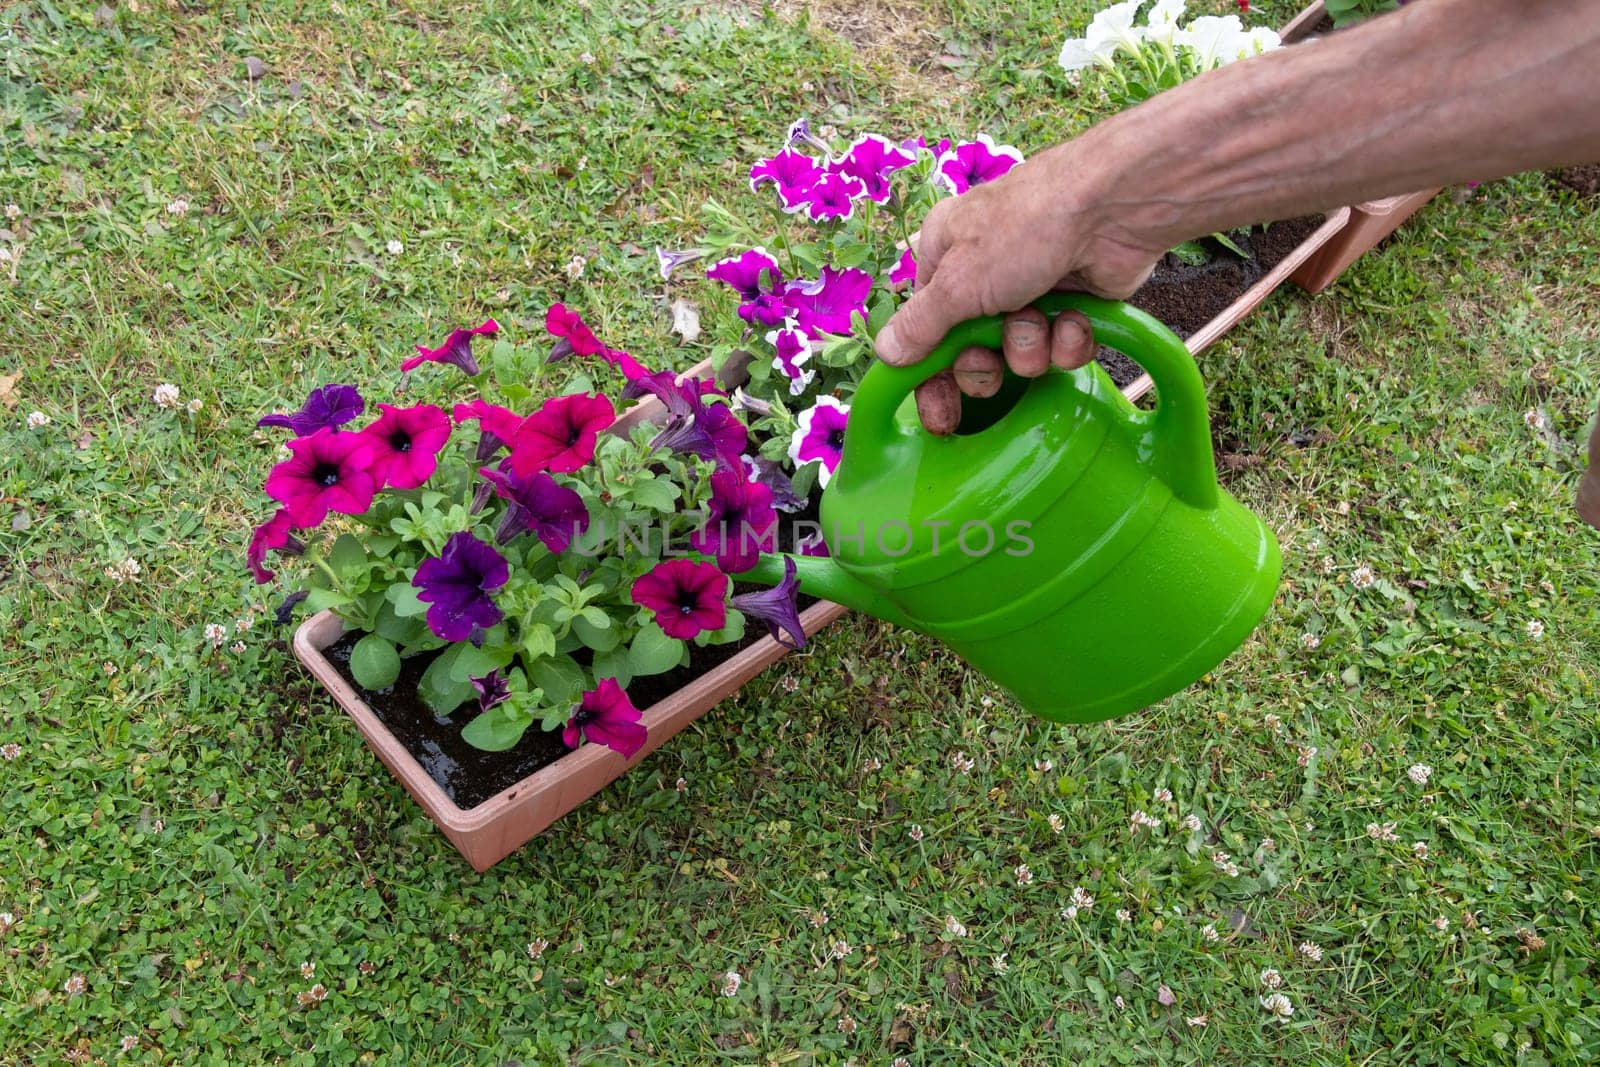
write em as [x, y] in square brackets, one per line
[1439, 92]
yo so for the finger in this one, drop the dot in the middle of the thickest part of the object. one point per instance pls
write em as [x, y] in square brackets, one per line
[1027, 342]
[939, 403]
[1071, 340]
[979, 372]
[922, 321]
[932, 241]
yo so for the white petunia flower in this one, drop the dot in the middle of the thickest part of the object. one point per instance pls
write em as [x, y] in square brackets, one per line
[1112, 29]
[1162, 21]
[1213, 40]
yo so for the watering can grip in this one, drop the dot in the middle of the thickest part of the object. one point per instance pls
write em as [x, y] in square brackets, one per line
[1178, 432]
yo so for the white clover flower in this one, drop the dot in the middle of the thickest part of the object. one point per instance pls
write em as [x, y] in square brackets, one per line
[37, 420]
[124, 570]
[1196, 1020]
[536, 947]
[178, 207]
[915, 833]
[1057, 823]
[1209, 932]
[1272, 722]
[165, 396]
[243, 623]
[681, 785]
[237, 648]
[1043, 766]
[818, 919]
[1225, 864]
[6, 255]
[74, 986]
[1534, 419]
[1441, 923]
[1310, 641]
[1382, 831]
[963, 763]
[1278, 1005]
[1363, 578]
[731, 983]
[12, 211]
[999, 963]
[586, 58]
[840, 949]
[1070, 912]
[872, 764]
[1139, 819]
[1024, 874]
[128, 1043]
[7, 921]
[953, 927]
[1310, 950]
[1535, 628]
[1419, 773]
[575, 267]
[215, 633]
[315, 995]
[1420, 849]
[193, 407]
[1163, 795]
[1081, 899]
[308, 969]
[1271, 978]
[846, 1025]
[394, 247]
[10, 751]
[1268, 845]
[1123, 915]
[1307, 754]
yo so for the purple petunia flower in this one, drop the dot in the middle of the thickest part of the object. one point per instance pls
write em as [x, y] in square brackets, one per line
[870, 161]
[812, 544]
[456, 350]
[793, 348]
[820, 436]
[770, 474]
[406, 443]
[755, 276]
[553, 512]
[904, 273]
[272, 535]
[687, 596]
[561, 435]
[328, 407]
[670, 261]
[741, 521]
[833, 197]
[327, 471]
[685, 435]
[828, 304]
[800, 134]
[778, 607]
[457, 585]
[607, 717]
[792, 173]
[710, 431]
[493, 688]
[975, 162]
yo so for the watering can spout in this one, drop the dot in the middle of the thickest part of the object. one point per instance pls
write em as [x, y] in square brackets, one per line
[820, 576]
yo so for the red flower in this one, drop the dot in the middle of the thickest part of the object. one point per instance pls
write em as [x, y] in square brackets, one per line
[560, 436]
[688, 597]
[607, 717]
[328, 471]
[405, 444]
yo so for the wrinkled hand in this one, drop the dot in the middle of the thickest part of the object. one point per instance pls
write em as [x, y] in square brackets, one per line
[994, 250]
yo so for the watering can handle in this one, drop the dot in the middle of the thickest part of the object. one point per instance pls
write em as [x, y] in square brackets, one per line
[1178, 428]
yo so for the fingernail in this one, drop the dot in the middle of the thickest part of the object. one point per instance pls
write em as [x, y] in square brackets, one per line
[887, 347]
[1072, 332]
[1024, 334]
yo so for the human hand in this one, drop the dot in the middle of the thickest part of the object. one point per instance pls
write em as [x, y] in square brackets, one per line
[992, 251]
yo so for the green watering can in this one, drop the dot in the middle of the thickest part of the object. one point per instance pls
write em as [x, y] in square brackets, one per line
[1071, 547]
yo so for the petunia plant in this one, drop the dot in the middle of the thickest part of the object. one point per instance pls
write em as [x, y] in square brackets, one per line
[539, 557]
[818, 275]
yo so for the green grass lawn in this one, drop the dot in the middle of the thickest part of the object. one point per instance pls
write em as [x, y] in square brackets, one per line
[200, 837]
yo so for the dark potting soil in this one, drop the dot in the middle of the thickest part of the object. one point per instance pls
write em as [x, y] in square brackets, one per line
[469, 775]
[1583, 179]
[1186, 297]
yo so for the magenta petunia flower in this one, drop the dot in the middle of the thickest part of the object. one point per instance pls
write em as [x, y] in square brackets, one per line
[975, 162]
[456, 350]
[688, 597]
[678, 396]
[820, 436]
[272, 535]
[904, 274]
[793, 348]
[329, 406]
[456, 586]
[406, 443]
[792, 173]
[812, 544]
[328, 471]
[575, 338]
[833, 197]
[553, 512]
[770, 474]
[741, 522]
[755, 276]
[607, 717]
[560, 436]
[870, 161]
[496, 425]
[778, 607]
[828, 304]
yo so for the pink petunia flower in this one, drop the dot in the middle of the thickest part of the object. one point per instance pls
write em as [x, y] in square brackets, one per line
[560, 437]
[328, 471]
[271, 535]
[688, 597]
[607, 717]
[974, 163]
[405, 444]
[456, 350]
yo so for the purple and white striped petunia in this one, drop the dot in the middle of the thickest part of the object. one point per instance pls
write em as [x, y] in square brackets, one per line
[820, 436]
[792, 173]
[828, 304]
[670, 261]
[800, 134]
[975, 162]
[833, 198]
[759, 283]
[793, 348]
[871, 160]
[904, 274]
[770, 474]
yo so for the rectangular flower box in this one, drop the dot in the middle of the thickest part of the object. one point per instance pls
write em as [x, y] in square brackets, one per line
[1370, 222]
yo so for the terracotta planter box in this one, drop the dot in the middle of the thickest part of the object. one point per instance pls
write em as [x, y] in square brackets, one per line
[1370, 222]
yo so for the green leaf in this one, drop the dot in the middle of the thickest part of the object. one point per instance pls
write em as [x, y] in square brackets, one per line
[804, 482]
[473, 662]
[1191, 252]
[403, 595]
[653, 651]
[322, 599]
[538, 640]
[382, 544]
[614, 664]
[348, 557]
[601, 639]
[438, 690]
[374, 662]
[401, 631]
[497, 729]
[561, 679]
[657, 494]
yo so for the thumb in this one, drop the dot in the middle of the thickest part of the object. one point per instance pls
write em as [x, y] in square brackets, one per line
[918, 326]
